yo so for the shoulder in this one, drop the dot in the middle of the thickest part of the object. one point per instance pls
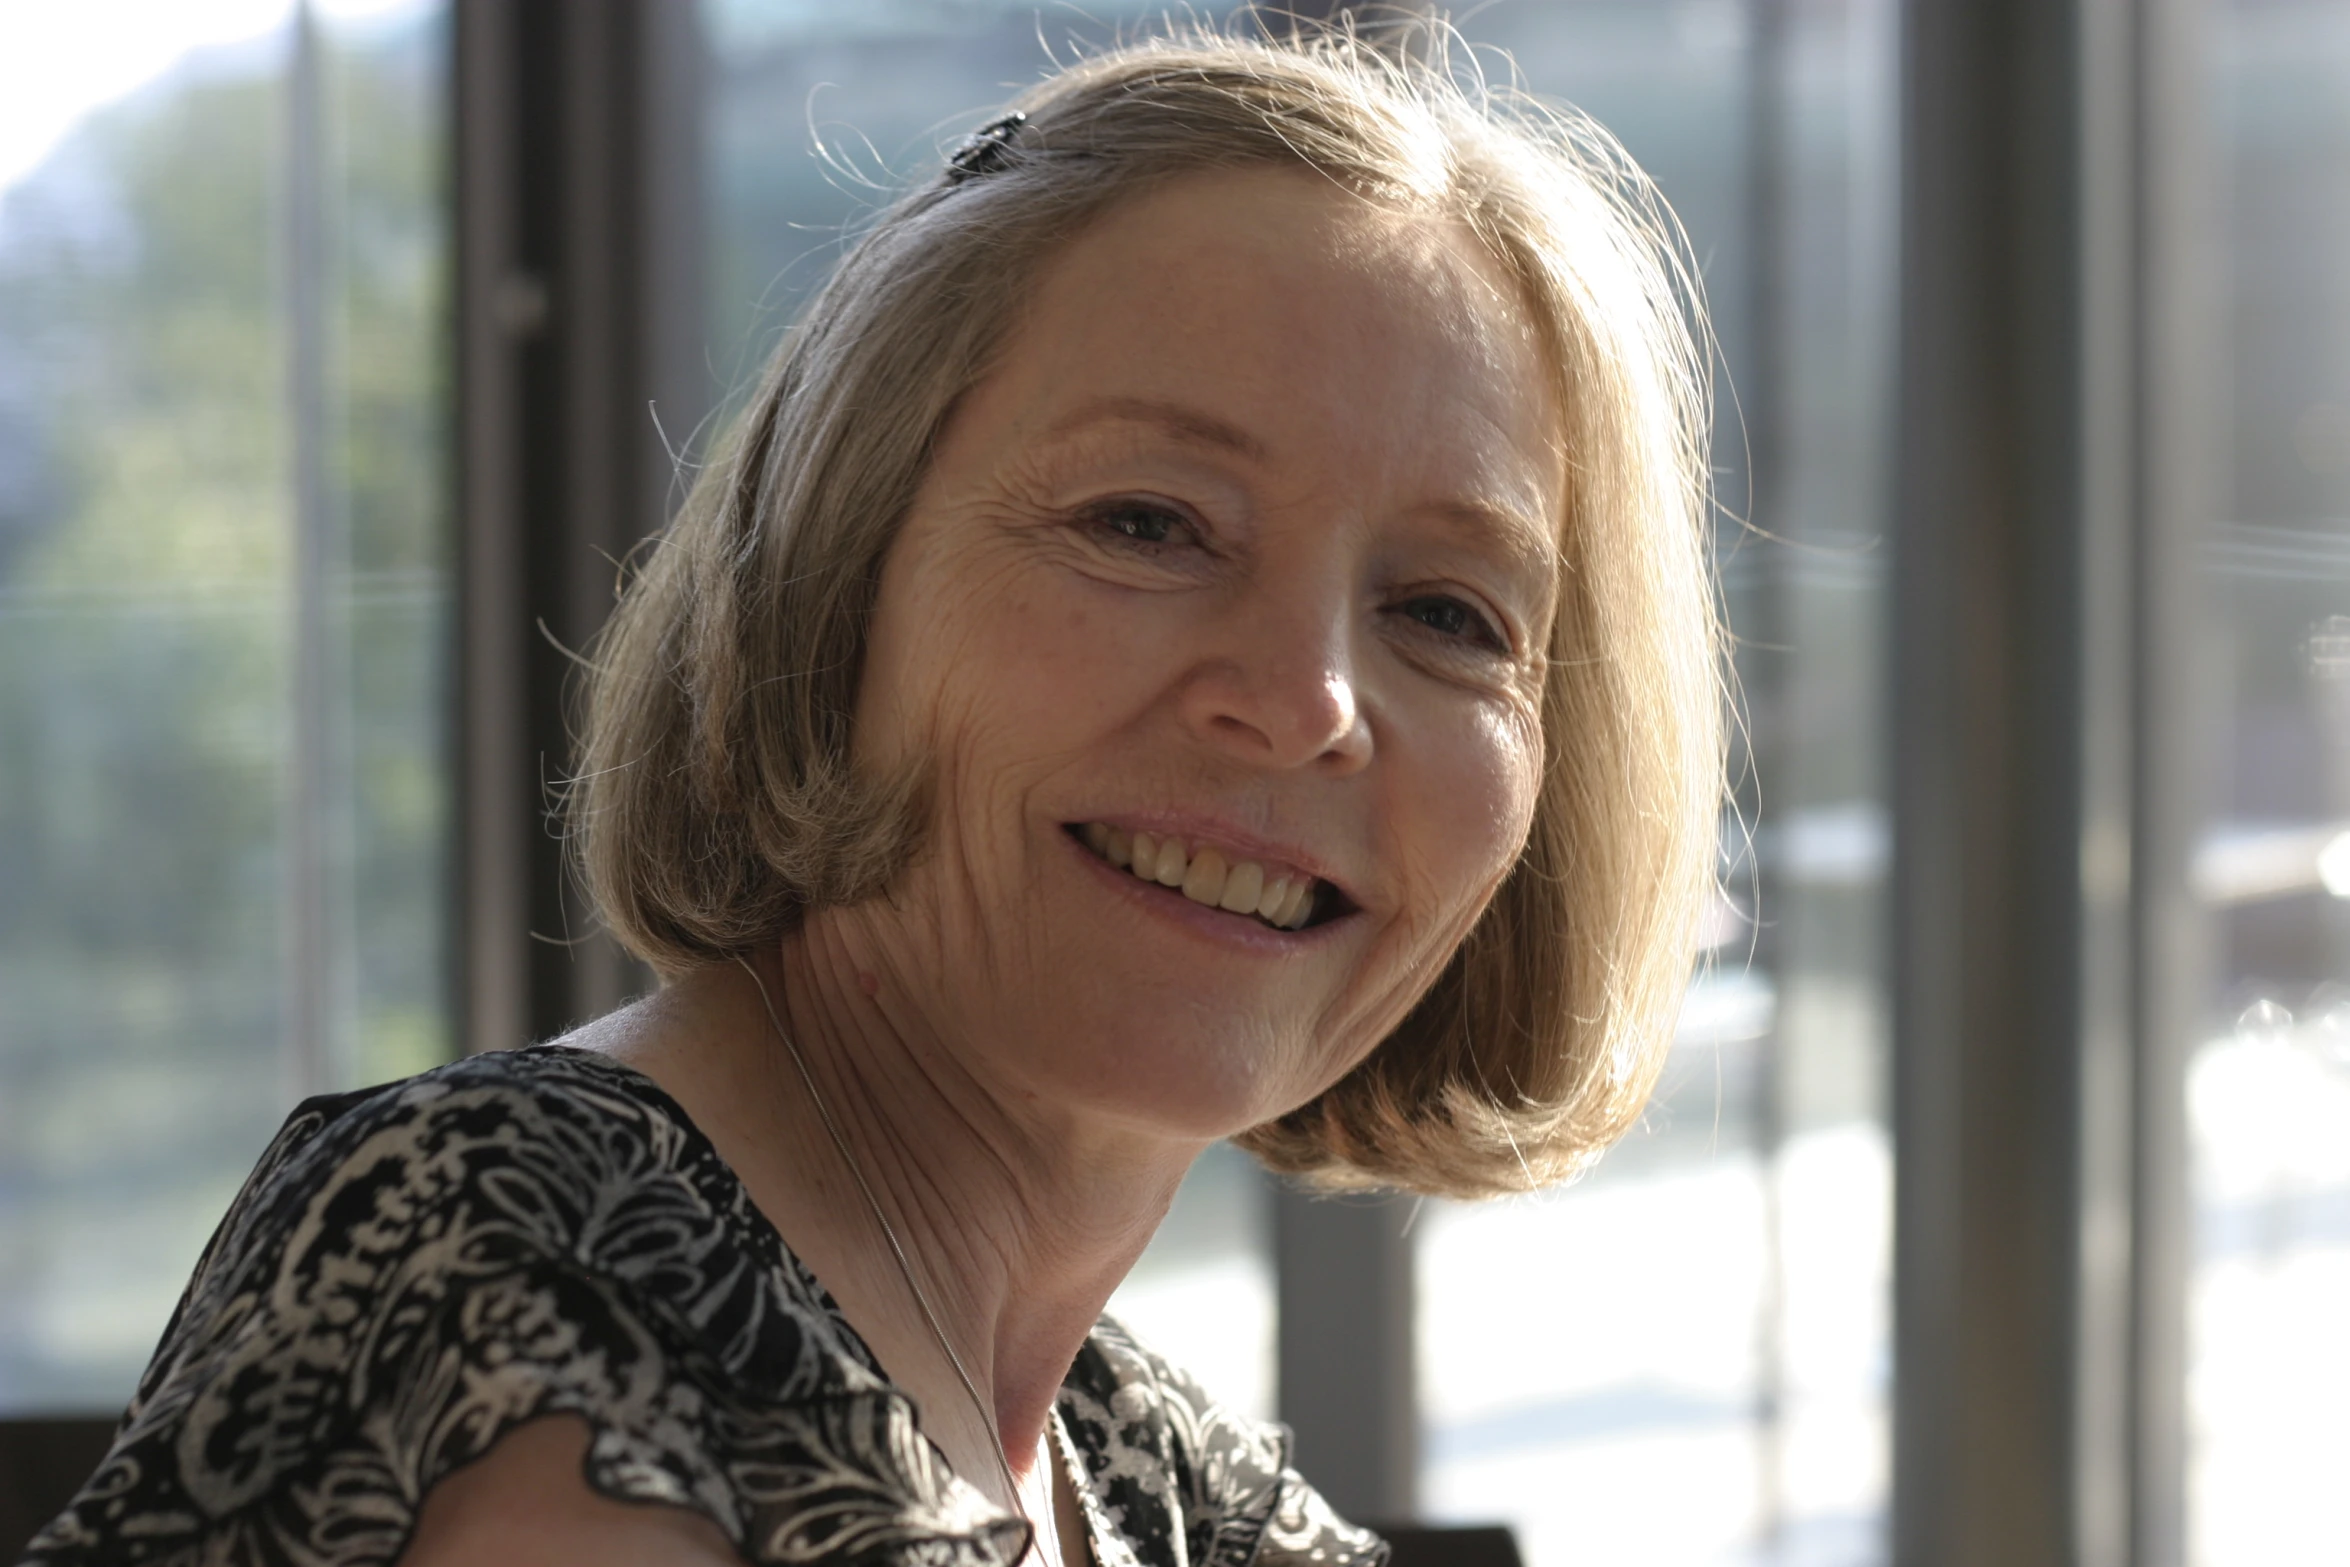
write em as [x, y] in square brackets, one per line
[548, 1113]
[414, 1271]
[530, 1162]
[1166, 1457]
[526, 1502]
[495, 1130]
[547, 1160]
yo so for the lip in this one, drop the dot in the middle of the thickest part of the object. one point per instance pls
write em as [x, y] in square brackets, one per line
[1216, 925]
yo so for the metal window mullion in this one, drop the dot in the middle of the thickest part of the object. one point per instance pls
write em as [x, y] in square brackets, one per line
[1347, 1367]
[579, 310]
[2015, 768]
[493, 296]
[312, 1024]
[1767, 679]
[2177, 498]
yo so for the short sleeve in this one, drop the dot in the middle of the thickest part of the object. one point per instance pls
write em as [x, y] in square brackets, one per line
[1178, 1478]
[411, 1273]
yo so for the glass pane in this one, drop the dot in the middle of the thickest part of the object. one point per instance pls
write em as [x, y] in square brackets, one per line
[1683, 1358]
[222, 629]
[818, 111]
[2269, 1090]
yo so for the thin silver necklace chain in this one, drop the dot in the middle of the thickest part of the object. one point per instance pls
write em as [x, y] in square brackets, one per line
[1052, 1556]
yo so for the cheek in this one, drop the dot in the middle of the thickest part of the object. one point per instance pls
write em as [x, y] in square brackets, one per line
[1469, 807]
[996, 669]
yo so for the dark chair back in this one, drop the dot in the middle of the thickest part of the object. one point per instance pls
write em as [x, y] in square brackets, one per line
[1471, 1545]
[42, 1463]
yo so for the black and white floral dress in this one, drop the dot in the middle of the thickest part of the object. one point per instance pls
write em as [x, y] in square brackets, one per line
[414, 1269]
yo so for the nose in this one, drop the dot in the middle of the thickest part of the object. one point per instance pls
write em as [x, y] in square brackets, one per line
[1280, 692]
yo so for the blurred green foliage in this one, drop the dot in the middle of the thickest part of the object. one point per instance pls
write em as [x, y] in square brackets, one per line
[146, 528]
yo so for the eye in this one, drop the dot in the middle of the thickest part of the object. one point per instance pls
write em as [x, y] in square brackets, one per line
[1452, 619]
[1140, 522]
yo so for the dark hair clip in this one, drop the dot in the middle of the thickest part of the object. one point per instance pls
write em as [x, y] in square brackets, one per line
[985, 150]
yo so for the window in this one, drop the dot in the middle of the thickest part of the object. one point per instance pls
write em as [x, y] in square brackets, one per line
[223, 629]
[227, 623]
[1683, 1357]
[2269, 1089]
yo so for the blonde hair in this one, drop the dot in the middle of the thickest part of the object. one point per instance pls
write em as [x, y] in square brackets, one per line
[716, 802]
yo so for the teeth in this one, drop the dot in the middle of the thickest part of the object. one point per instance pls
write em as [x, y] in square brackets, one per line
[1242, 886]
[1203, 882]
[1208, 877]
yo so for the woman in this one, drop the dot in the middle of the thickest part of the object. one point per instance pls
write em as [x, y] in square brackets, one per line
[1204, 632]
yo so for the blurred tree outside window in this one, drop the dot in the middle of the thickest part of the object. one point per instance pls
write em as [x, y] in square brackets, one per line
[224, 628]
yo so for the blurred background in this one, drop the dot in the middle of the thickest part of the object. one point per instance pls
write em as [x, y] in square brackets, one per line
[344, 345]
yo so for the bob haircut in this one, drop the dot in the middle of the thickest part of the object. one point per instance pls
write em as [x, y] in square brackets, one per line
[717, 804]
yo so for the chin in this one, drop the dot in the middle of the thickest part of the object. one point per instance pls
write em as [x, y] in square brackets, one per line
[1189, 1084]
[1197, 1086]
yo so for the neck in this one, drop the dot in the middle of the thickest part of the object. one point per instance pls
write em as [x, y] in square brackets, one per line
[1016, 1217]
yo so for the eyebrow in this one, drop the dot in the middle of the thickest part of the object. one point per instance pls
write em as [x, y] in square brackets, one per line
[1503, 529]
[1189, 425]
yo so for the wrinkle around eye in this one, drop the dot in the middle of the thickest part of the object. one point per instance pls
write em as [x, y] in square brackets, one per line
[1484, 630]
[1485, 669]
[1186, 557]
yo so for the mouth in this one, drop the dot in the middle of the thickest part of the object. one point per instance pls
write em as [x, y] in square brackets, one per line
[1279, 896]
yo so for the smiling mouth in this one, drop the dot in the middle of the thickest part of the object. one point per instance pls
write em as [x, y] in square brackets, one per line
[1285, 900]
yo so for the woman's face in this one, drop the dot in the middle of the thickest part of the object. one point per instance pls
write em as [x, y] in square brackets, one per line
[1240, 559]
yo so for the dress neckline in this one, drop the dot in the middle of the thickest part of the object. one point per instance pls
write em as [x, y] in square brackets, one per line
[737, 1196]
[764, 1233]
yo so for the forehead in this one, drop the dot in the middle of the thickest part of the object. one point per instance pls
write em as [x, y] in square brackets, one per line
[1321, 330]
